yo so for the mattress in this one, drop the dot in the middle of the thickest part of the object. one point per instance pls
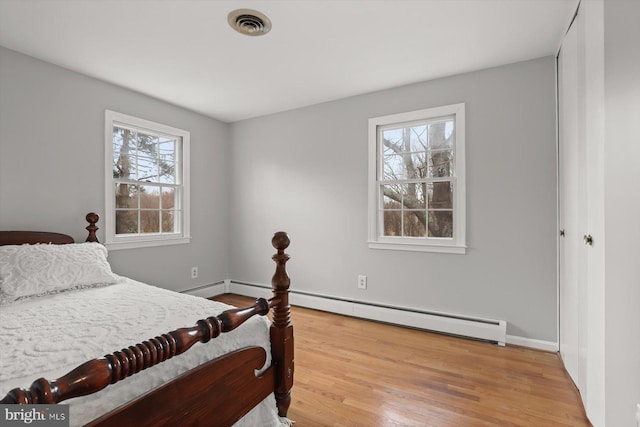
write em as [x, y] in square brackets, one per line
[50, 335]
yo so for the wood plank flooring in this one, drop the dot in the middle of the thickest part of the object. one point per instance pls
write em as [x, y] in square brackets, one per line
[353, 372]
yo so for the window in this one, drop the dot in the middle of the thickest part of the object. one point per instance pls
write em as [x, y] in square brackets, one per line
[416, 181]
[147, 183]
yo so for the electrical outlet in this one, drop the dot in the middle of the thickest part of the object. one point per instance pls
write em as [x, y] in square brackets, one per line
[194, 272]
[362, 282]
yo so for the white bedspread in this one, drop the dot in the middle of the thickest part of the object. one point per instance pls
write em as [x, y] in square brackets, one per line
[48, 336]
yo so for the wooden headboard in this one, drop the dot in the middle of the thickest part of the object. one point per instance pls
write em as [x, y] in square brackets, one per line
[34, 237]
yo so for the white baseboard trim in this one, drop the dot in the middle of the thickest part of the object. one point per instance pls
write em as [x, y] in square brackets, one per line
[533, 343]
[388, 314]
[484, 329]
[373, 312]
[207, 291]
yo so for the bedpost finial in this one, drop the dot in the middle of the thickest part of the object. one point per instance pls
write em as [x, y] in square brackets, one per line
[92, 218]
[280, 241]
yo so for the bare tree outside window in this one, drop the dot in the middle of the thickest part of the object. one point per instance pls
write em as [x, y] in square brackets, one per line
[417, 163]
[144, 172]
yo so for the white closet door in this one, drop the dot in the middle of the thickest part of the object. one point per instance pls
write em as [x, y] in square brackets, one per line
[572, 211]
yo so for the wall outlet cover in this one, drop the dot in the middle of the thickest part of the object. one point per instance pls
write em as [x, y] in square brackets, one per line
[362, 282]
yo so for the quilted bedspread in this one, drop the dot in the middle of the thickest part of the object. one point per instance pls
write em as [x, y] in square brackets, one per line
[50, 335]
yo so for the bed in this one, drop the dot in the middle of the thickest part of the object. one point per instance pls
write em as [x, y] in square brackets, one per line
[243, 377]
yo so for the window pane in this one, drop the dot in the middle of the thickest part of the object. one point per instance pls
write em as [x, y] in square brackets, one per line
[126, 222]
[168, 197]
[392, 136]
[149, 197]
[392, 223]
[413, 196]
[440, 195]
[391, 196]
[394, 167]
[417, 136]
[440, 163]
[126, 196]
[124, 167]
[123, 142]
[124, 153]
[168, 221]
[419, 165]
[147, 145]
[167, 172]
[149, 221]
[121, 166]
[413, 164]
[386, 150]
[441, 135]
[389, 203]
[148, 169]
[414, 223]
[440, 223]
[167, 149]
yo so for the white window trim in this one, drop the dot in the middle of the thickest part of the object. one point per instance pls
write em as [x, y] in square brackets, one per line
[456, 245]
[139, 241]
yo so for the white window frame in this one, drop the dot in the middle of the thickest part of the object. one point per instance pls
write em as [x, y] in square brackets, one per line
[456, 244]
[183, 235]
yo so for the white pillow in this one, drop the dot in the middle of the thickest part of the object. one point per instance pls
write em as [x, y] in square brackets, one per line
[34, 270]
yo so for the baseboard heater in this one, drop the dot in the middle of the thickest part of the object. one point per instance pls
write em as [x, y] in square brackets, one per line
[465, 326]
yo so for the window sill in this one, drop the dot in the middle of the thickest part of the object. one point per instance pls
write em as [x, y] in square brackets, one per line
[445, 249]
[147, 243]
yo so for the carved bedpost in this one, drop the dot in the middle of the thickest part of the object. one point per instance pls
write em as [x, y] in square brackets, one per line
[281, 327]
[92, 218]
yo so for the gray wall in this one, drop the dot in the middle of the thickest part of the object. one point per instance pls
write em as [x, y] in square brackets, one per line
[305, 172]
[52, 166]
[622, 211]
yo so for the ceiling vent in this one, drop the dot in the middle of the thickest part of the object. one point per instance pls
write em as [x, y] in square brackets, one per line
[249, 22]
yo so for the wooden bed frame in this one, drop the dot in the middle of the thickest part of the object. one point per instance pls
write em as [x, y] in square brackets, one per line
[217, 393]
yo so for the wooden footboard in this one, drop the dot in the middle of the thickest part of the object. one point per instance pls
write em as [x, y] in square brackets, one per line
[228, 383]
[217, 393]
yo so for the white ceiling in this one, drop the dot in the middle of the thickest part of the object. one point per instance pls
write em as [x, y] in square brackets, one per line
[184, 52]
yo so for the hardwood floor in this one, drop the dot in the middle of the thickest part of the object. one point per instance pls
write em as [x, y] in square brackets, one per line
[354, 372]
